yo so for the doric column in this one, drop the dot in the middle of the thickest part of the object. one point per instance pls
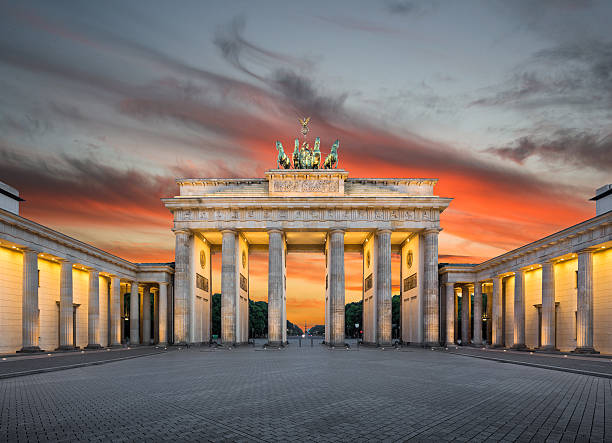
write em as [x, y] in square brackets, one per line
[548, 306]
[430, 301]
[383, 287]
[519, 309]
[146, 315]
[496, 312]
[450, 314]
[228, 287]
[181, 285]
[115, 311]
[584, 321]
[275, 286]
[29, 302]
[336, 286]
[465, 315]
[93, 310]
[66, 336]
[477, 317]
[163, 313]
[134, 314]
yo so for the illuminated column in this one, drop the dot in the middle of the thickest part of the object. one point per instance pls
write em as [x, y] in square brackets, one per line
[93, 310]
[519, 309]
[182, 252]
[584, 323]
[163, 313]
[66, 336]
[430, 301]
[146, 315]
[465, 315]
[548, 306]
[450, 314]
[29, 302]
[115, 311]
[383, 287]
[336, 287]
[477, 317]
[496, 312]
[275, 286]
[228, 287]
[134, 314]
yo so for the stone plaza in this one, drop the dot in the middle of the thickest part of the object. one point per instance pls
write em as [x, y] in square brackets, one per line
[306, 394]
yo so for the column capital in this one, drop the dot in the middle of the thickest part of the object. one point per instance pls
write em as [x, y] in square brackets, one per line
[163, 283]
[228, 231]
[432, 230]
[337, 231]
[181, 231]
[451, 284]
[64, 260]
[29, 249]
[384, 231]
[271, 230]
[585, 251]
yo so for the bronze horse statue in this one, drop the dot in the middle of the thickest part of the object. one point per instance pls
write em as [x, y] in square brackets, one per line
[316, 154]
[282, 159]
[331, 161]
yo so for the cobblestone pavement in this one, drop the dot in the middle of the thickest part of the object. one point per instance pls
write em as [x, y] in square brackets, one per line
[599, 364]
[26, 363]
[306, 394]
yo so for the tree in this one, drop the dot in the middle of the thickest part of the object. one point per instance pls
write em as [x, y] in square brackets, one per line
[215, 314]
[353, 314]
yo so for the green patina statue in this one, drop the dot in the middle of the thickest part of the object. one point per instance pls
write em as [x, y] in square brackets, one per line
[307, 158]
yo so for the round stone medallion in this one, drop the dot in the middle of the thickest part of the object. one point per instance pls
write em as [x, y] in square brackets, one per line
[244, 259]
[409, 259]
[202, 259]
[368, 259]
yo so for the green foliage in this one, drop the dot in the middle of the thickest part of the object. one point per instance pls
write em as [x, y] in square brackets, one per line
[258, 319]
[317, 330]
[353, 314]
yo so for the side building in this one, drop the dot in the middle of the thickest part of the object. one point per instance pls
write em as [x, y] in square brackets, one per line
[552, 294]
[57, 292]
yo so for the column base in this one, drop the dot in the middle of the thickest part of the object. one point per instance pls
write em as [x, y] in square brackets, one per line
[478, 344]
[431, 344]
[274, 344]
[519, 347]
[497, 346]
[451, 345]
[550, 349]
[67, 348]
[585, 350]
[116, 345]
[93, 346]
[164, 344]
[30, 350]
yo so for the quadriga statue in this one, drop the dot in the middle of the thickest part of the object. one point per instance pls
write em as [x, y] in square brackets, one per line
[331, 161]
[282, 159]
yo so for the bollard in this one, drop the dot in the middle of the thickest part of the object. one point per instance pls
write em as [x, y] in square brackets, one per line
[311, 342]
[300, 340]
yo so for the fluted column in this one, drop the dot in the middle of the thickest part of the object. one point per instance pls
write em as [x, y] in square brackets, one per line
[548, 306]
[115, 311]
[496, 312]
[430, 302]
[465, 315]
[383, 287]
[66, 316]
[181, 285]
[584, 324]
[163, 313]
[519, 309]
[228, 287]
[336, 286]
[134, 314]
[146, 315]
[477, 316]
[450, 314]
[29, 302]
[93, 310]
[275, 286]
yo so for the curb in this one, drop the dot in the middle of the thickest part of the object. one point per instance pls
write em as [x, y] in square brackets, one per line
[538, 365]
[76, 365]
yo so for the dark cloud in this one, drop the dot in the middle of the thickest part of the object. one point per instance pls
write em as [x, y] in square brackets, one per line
[577, 75]
[409, 7]
[579, 149]
[298, 90]
[357, 25]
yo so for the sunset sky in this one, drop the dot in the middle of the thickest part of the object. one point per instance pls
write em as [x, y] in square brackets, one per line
[104, 104]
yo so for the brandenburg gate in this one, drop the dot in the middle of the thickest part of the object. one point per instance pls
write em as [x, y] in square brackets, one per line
[307, 210]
